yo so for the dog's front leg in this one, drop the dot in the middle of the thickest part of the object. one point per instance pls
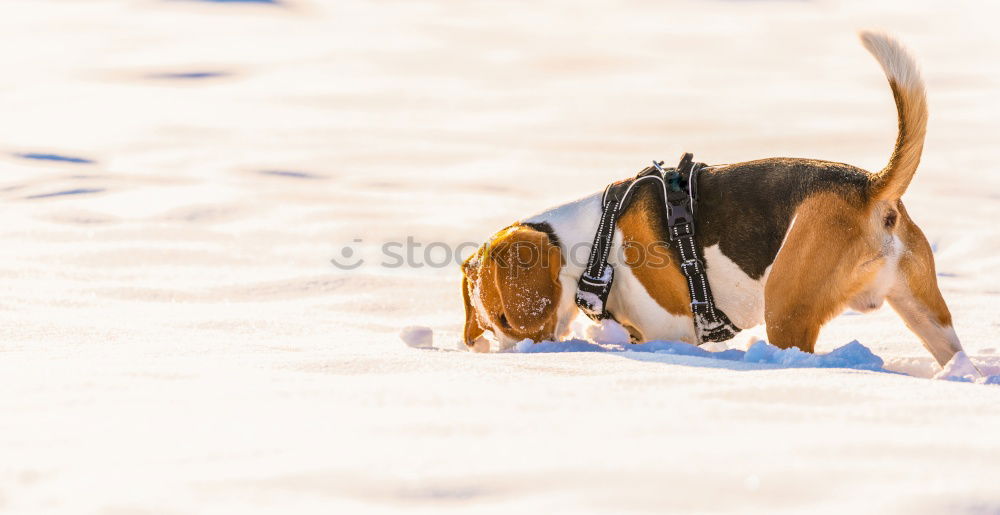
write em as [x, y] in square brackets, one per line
[795, 309]
[808, 281]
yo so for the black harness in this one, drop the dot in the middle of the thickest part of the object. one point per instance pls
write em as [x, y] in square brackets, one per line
[679, 194]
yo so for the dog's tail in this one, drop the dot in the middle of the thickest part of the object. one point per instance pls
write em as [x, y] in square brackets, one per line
[911, 108]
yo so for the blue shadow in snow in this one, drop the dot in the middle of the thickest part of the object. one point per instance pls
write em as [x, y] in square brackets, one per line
[291, 174]
[78, 191]
[760, 355]
[187, 75]
[53, 157]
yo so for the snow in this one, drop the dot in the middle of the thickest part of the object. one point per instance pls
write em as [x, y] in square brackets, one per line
[608, 331]
[177, 177]
[962, 369]
[418, 337]
[591, 299]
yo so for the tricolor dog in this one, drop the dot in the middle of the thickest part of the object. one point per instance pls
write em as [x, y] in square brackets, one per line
[788, 242]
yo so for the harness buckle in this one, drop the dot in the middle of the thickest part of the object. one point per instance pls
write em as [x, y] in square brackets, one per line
[679, 212]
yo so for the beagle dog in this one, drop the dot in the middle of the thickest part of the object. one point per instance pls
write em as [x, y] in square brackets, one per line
[788, 242]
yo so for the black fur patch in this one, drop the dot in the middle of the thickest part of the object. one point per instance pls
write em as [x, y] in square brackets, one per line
[746, 208]
[547, 229]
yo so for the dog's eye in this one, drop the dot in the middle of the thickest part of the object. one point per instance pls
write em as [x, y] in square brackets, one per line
[890, 220]
[503, 321]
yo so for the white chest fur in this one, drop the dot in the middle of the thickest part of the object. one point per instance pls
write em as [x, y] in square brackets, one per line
[737, 294]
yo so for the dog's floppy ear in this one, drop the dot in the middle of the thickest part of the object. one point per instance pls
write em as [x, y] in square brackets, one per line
[470, 272]
[525, 265]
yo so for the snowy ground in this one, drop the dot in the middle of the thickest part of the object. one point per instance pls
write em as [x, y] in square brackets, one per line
[175, 177]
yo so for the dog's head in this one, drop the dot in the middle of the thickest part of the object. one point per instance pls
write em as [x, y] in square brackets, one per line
[511, 288]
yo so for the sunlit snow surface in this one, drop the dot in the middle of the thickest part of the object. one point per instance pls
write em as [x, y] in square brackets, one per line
[176, 177]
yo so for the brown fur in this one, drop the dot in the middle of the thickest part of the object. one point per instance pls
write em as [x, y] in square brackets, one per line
[843, 246]
[659, 274]
[473, 329]
[829, 256]
[515, 277]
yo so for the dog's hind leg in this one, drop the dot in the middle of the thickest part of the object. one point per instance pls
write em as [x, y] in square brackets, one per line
[916, 297]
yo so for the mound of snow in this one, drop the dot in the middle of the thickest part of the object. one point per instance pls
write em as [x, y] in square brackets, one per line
[608, 331]
[852, 355]
[961, 369]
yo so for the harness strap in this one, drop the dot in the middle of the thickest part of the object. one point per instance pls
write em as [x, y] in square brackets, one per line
[711, 324]
[595, 283]
[679, 191]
